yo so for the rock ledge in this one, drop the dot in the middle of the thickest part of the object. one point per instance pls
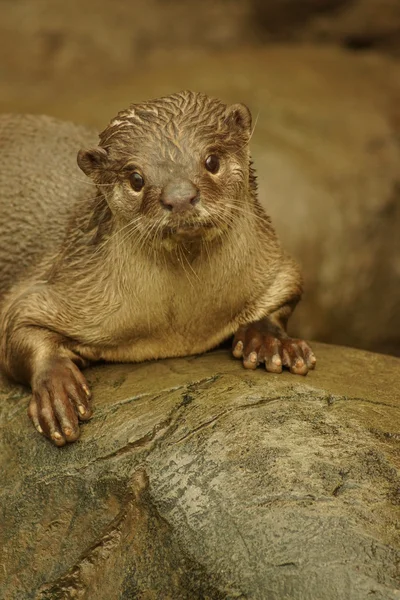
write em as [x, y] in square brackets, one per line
[199, 479]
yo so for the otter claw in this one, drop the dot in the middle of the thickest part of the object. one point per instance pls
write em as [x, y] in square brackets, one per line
[60, 398]
[238, 350]
[257, 343]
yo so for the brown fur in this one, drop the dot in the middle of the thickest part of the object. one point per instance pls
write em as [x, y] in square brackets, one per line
[102, 272]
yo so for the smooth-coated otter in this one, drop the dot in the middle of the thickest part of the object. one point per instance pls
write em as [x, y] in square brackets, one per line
[163, 251]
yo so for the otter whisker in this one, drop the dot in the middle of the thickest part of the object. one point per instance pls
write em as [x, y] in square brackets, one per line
[112, 237]
[254, 127]
[181, 257]
[134, 229]
[246, 212]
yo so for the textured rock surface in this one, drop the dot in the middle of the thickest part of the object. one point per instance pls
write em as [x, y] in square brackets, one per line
[326, 147]
[261, 486]
[47, 39]
[356, 24]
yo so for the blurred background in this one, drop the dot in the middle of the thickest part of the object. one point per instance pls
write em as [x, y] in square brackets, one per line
[322, 78]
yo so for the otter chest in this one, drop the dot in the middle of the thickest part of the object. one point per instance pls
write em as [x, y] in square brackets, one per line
[185, 315]
[177, 318]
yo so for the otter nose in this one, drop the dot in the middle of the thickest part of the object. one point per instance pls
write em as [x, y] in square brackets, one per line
[179, 196]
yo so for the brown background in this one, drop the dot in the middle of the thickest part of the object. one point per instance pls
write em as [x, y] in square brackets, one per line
[322, 78]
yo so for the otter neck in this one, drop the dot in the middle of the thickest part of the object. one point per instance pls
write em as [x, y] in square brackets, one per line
[177, 250]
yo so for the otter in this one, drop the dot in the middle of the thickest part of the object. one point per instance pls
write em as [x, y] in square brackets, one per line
[162, 250]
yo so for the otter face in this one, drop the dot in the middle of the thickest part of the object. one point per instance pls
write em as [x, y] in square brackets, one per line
[178, 166]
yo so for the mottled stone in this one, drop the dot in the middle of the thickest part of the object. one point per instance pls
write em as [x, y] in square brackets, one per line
[198, 479]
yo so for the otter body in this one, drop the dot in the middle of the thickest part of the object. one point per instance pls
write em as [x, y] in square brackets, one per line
[40, 183]
[162, 250]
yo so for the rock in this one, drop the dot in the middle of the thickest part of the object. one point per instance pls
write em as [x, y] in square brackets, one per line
[46, 40]
[326, 147]
[198, 479]
[355, 24]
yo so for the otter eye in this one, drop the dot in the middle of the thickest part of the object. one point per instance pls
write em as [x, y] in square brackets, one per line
[212, 163]
[137, 181]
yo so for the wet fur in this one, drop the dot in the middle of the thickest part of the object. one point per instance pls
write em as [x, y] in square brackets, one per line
[77, 281]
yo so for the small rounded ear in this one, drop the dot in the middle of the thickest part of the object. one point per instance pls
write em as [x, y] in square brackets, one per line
[92, 160]
[238, 116]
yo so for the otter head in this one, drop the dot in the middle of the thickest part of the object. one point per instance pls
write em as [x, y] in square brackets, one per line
[177, 167]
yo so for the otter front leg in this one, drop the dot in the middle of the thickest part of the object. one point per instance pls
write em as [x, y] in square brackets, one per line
[266, 342]
[34, 355]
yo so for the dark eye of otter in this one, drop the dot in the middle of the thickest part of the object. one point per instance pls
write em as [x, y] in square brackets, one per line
[137, 181]
[212, 163]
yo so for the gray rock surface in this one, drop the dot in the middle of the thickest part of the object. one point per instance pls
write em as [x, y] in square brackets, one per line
[198, 479]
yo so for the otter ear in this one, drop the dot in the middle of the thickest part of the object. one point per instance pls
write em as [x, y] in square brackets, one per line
[92, 160]
[238, 116]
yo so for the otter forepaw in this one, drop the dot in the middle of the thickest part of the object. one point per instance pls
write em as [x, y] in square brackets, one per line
[256, 345]
[60, 397]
